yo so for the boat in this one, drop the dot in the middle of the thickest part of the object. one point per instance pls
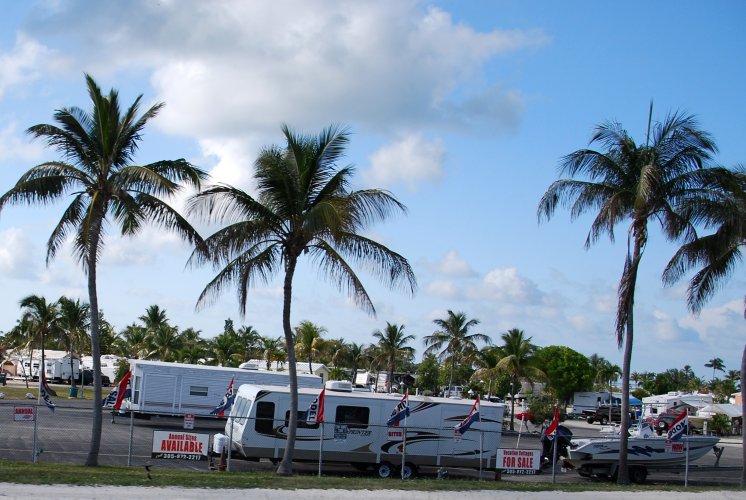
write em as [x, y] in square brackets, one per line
[599, 456]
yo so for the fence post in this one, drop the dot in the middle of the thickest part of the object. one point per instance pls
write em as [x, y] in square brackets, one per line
[230, 444]
[33, 450]
[129, 449]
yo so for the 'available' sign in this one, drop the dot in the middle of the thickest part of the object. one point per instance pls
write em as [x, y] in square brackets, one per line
[180, 445]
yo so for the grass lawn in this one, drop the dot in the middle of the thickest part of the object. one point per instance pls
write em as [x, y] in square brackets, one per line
[28, 473]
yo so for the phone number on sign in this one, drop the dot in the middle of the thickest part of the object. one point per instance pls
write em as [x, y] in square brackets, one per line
[179, 456]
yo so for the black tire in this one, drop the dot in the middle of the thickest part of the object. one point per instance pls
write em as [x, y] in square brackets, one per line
[589, 420]
[638, 474]
[409, 471]
[603, 421]
[384, 470]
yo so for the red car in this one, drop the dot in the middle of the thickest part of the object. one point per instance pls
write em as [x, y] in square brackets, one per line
[525, 415]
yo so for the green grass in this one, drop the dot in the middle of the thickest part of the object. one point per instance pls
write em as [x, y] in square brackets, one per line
[27, 473]
[20, 391]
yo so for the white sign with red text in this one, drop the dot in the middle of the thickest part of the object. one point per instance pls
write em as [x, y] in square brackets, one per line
[518, 461]
[24, 413]
[180, 445]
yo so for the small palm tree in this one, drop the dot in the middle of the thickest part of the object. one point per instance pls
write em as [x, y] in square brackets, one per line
[639, 184]
[164, 342]
[486, 361]
[41, 320]
[453, 343]
[272, 349]
[74, 322]
[717, 365]
[97, 170]
[308, 341]
[304, 205]
[518, 362]
[392, 343]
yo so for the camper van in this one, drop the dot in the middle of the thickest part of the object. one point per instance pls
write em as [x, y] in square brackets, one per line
[175, 389]
[355, 430]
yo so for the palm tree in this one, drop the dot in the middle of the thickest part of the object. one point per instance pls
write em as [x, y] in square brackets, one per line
[249, 337]
[154, 318]
[715, 364]
[190, 353]
[487, 359]
[308, 341]
[392, 343]
[639, 183]
[272, 349]
[518, 362]
[74, 321]
[134, 342]
[98, 148]
[452, 342]
[355, 357]
[226, 349]
[41, 320]
[303, 206]
[164, 342]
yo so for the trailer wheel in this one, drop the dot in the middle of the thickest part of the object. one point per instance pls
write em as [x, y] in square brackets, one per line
[384, 470]
[589, 420]
[638, 474]
[409, 470]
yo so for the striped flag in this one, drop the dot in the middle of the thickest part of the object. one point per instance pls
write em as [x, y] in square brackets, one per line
[401, 411]
[470, 419]
[226, 402]
[315, 413]
[44, 391]
[552, 429]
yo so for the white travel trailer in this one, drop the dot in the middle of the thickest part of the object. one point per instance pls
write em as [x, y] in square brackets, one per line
[175, 389]
[59, 370]
[355, 430]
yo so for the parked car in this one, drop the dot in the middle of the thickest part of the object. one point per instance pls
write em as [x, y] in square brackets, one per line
[605, 414]
[87, 378]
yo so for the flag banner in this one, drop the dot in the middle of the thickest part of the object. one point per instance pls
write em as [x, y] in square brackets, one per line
[679, 427]
[122, 390]
[400, 412]
[44, 391]
[315, 413]
[226, 402]
[470, 419]
[111, 398]
[552, 429]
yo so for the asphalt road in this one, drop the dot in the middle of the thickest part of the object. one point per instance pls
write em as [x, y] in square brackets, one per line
[64, 436]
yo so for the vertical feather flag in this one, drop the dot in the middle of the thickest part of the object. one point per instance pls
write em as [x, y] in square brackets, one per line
[226, 402]
[473, 416]
[122, 390]
[44, 391]
[679, 427]
[552, 429]
[401, 411]
[315, 413]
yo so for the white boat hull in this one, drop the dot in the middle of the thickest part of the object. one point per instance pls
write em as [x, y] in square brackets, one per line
[641, 451]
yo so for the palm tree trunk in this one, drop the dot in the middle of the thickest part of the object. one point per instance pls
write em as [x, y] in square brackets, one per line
[743, 415]
[92, 459]
[286, 464]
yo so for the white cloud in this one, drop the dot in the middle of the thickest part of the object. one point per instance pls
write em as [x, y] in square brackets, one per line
[24, 63]
[443, 289]
[410, 159]
[453, 265]
[507, 285]
[17, 259]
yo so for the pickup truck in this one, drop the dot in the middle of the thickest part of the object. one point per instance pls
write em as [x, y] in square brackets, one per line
[603, 416]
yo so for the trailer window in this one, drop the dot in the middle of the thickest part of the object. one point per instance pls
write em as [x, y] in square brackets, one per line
[136, 399]
[265, 417]
[353, 416]
[197, 390]
[301, 421]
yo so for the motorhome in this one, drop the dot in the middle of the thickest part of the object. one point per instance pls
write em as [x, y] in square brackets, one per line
[355, 430]
[175, 389]
[652, 406]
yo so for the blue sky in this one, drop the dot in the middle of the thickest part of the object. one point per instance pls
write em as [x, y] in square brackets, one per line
[461, 109]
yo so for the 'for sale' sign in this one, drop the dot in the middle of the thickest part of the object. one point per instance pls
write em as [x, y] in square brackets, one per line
[518, 461]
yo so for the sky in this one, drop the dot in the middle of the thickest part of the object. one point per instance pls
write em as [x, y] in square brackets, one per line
[461, 109]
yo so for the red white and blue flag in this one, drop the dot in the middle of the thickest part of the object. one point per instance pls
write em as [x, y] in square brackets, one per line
[401, 411]
[226, 402]
[122, 390]
[45, 391]
[679, 427]
[473, 416]
[315, 413]
[552, 429]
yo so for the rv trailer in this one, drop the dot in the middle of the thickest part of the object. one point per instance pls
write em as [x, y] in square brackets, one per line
[175, 389]
[355, 430]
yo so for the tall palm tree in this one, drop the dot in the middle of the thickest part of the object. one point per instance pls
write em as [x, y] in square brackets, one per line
[304, 206]
[98, 149]
[154, 318]
[517, 360]
[392, 343]
[715, 364]
[486, 361]
[452, 342]
[355, 357]
[250, 339]
[639, 184]
[308, 341]
[134, 342]
[226, 349]
[164, 342]
[74, 321]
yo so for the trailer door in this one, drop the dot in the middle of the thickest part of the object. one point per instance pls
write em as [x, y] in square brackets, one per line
[159, 393]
